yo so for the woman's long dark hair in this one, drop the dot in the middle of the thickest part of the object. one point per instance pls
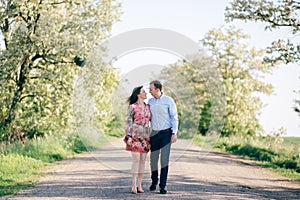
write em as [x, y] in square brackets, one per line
[134, 96]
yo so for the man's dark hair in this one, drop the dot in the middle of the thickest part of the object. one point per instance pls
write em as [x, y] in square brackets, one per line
[157, 84]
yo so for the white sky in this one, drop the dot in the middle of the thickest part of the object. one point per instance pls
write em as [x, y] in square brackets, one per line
[194, 18]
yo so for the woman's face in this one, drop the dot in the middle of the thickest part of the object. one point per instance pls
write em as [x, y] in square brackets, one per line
[143, 94]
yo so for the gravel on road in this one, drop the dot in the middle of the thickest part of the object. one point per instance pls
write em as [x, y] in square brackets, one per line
[194, 173]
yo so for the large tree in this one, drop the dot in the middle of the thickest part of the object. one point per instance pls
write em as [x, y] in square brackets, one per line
[230, 61]
[186, 81]
[276, 14]
[241, 69]
[45, 43]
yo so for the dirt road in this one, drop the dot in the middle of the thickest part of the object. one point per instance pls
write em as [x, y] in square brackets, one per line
[194, 174]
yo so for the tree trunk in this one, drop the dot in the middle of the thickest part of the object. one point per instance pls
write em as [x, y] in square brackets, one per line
[24, 71]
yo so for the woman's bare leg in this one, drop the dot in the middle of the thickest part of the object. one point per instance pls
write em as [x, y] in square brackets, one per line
[141, 171]
[135, 170]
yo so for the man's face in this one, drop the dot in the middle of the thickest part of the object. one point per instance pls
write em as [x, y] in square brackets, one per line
[153, 91]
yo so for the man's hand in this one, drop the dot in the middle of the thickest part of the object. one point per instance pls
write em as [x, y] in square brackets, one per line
[173, 138]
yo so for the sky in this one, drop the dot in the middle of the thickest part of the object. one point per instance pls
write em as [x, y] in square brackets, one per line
[193, 19]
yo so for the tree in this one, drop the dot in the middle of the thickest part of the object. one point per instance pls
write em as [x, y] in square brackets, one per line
[239, 67]
[185, 82]
[45, 43]
[241, 70]
[279, 14]
[198, 92]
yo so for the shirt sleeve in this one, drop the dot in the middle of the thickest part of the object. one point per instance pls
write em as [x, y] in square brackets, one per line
[173, 116]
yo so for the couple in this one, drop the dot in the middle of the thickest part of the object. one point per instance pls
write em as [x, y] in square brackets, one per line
[162, 112]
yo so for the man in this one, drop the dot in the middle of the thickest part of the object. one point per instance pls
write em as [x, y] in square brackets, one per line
[164, 124]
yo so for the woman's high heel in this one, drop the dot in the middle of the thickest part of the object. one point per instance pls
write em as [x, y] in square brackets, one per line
[134, 191]
[139, 191]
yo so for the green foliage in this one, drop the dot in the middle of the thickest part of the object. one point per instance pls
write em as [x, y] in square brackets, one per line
[93, 100]
[198, 140]
[104, 98]
[17, 172]
[38, 149]
[241, 69]
[116, 126]
[282, 157]
[21, 164]
[257, 153]
[205, 117]
[74, 144]
[276, 14]
[294, 141]
[186, 82]
[45, 42]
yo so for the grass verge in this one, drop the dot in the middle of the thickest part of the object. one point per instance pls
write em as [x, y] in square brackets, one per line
[21, 165]
[280, 156]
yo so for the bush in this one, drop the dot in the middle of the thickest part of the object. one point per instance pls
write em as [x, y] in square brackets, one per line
[75, 144]
[288, 164]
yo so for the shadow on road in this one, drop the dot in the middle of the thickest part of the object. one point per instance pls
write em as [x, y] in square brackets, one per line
[194, 174]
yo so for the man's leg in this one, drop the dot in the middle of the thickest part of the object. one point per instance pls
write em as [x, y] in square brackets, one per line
[165, 154]
[154, 166]
[154, 156]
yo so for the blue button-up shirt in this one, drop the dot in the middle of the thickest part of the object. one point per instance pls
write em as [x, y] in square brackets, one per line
[163, 113]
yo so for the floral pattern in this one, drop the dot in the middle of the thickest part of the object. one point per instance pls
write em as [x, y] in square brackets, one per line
[138, 128]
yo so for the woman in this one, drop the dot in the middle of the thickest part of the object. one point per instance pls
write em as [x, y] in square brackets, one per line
[137, 135]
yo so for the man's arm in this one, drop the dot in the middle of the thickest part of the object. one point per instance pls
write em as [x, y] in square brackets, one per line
[173, 116]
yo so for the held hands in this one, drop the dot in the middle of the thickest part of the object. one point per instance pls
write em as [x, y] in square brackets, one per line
[174, 138]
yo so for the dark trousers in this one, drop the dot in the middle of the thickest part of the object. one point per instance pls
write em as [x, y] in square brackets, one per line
[160, 142]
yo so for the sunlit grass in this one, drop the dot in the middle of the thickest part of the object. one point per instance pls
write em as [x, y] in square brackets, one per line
[282, 156]
[18, 172]
[21, 164]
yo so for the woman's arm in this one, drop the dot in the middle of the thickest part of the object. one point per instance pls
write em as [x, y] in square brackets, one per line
[129, 124]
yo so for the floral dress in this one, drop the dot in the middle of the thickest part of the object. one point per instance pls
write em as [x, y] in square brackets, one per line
[138, 128]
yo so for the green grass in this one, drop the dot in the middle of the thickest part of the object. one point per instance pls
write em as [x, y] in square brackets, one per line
[282, 156]
[18, 172]
[21, 165]
[294, 141]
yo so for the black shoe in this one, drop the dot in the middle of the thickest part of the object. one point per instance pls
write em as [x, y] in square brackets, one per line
[163, 191]
[152, 187]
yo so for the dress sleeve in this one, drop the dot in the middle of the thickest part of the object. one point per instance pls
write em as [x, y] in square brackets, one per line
[129, 121]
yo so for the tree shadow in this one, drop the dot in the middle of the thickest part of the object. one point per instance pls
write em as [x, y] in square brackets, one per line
[106, 183]
[99, 184]
[8, 186]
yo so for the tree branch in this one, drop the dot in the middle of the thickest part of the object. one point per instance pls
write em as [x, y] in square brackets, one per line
[26, 96]
[57, 3]
[57, 62]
